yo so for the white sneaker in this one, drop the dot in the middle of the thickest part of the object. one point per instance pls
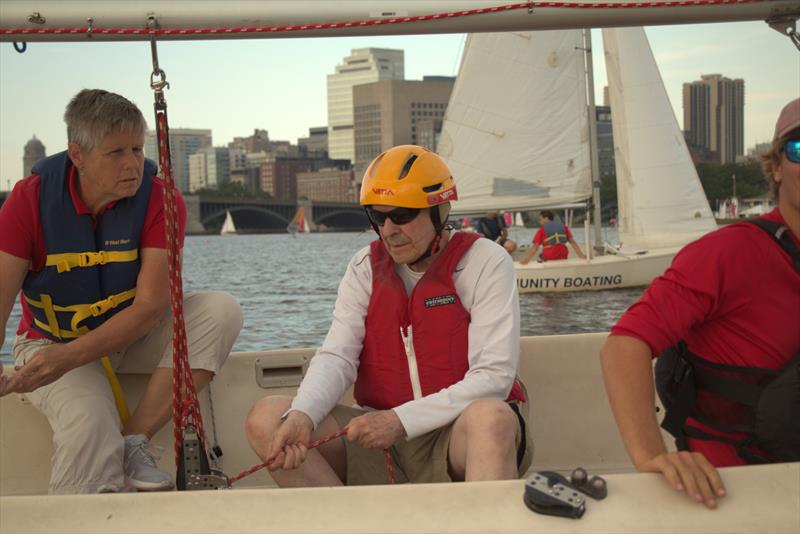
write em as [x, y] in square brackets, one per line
[113, 488]
[140, 467]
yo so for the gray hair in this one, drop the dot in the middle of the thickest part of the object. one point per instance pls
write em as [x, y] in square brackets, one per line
[92, 114]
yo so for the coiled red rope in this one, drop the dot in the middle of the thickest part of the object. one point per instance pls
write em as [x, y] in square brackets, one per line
[313, 445]
[369, 22]
[185, 406]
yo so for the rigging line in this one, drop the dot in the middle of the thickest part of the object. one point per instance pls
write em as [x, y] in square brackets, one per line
[459, 54]
[185, 405]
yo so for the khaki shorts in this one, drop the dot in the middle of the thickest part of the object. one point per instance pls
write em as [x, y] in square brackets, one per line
[419, 460]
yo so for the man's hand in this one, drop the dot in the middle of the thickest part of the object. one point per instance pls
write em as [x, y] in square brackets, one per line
[689, 472]
[3, 382]
[45, 367]
[376, 430]
[290, 442]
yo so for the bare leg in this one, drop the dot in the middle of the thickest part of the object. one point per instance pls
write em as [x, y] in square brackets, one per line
[483, 442]
[324, 466]
[155, 408]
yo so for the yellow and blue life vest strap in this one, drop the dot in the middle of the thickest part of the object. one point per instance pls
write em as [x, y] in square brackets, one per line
[62, 334]
[84, 311]
[116, 389]
[555, 237]
[80, 312]
[64, 262]
[46, 304]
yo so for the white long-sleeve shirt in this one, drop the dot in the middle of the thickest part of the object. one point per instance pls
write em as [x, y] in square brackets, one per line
[486, 284]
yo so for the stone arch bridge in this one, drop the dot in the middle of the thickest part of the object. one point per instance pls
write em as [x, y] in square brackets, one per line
[256, 215]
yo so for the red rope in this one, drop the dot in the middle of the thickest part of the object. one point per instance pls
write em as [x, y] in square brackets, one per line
[185, 406]
[315, 444]
[371, 22]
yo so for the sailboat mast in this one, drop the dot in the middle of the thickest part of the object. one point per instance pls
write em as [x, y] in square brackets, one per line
[598, 230]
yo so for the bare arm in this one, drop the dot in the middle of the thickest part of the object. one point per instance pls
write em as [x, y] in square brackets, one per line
[577, 249]
[530, 255]
[12, 274]
[152, 299]
[628, 375]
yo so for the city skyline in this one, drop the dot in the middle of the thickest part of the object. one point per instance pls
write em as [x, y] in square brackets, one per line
[235, 87]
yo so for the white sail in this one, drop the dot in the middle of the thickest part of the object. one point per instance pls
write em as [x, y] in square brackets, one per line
[516, 132]
[228, 228]
[660, 199]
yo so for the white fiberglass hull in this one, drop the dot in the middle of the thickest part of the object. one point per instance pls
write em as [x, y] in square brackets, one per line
[760, 499]
[603, 272]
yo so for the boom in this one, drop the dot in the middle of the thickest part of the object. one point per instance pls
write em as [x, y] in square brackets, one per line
[69, 20]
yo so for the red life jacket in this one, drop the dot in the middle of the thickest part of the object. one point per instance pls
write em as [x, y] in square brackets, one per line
[439, 325]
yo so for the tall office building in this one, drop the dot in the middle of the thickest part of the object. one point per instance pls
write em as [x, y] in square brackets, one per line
[605, 141]
[33, 152]
[364, 65]
[398, 112]
[208, 168]
[713, 116]
[327, 185]
[183, 142]
[316, 142]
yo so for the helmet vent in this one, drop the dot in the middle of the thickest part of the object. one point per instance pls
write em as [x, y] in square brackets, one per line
[407, 167]
[375, 164]
[432, 188]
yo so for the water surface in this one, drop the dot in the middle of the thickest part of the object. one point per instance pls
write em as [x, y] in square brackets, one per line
[287, 288]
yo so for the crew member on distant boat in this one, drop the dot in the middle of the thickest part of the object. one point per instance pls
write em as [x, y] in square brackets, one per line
[727, 311]
[552, 235]
[494, 227]
[426, 328]
[84, 239]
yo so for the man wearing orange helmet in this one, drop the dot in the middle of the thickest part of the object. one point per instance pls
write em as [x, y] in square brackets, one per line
[426, 329]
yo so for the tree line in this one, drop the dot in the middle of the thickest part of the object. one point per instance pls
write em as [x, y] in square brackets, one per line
[717, 180]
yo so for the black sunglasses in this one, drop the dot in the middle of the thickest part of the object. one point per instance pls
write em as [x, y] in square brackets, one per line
[398, 216]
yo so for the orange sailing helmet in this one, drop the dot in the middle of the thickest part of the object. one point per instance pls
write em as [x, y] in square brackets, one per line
[408, 176]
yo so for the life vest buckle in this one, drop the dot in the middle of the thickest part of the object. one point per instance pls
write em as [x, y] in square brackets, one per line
[90, 259]
[102, 306]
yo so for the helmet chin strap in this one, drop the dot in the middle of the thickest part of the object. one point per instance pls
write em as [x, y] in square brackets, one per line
[432, 249]
[439, 226]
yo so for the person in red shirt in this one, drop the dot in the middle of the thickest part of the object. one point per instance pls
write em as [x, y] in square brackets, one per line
[552, 235]
[732, 297]
[83, 244]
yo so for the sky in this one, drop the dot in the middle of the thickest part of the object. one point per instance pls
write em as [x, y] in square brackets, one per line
[234, 87]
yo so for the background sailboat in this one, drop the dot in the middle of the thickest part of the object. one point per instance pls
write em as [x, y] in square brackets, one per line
[228, 227]
[517, 135]
[299, 223]
[660, 198]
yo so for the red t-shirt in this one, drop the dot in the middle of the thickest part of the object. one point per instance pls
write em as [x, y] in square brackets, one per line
[552, 252]
[22, 234]
[734, 297]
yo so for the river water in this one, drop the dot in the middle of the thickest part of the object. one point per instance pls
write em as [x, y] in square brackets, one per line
[287, 288]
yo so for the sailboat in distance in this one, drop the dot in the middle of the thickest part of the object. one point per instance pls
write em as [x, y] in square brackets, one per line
[228, 227]
[299, 223]
[517, 136]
